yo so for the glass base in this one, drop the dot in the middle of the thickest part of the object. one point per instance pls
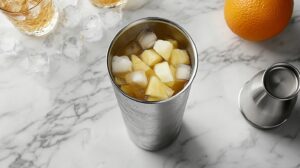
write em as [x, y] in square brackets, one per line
[48, 27]
[112, 5]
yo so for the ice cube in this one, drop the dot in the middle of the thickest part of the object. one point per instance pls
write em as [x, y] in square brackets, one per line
[92, 29]
[146, 39]
[7, 44]
[110, 18]
[137, 78]
[65, 3]
[20, 17]
[72, 48]
[121, 64]
[132, 48]
[2, 4]
[183, 72]
[38, 62]
[10, 46]
[34, 10]
[14, 5]
[134, 4]
[71, 16]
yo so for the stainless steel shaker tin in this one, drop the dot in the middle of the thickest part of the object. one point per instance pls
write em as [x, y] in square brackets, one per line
[153, 125]
[261, 106]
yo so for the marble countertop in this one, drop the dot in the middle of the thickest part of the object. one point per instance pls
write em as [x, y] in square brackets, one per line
[58, 110]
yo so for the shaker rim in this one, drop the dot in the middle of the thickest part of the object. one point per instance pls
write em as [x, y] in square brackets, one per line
[288, 66]
[171, 23]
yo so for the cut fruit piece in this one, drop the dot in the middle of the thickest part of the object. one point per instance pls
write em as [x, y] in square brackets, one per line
[174, 42]
[163, 48]
[153, 99]
[138, 64]
[163, 71]
[150, 57]
[120, 81]
[137, 78]
[158, 89]
[132, 48]
[146, 39]
[173, 70]
[170, 84]
[168, 90]
[179, 57]
[121, 64]
[183, 72]
[178, 85]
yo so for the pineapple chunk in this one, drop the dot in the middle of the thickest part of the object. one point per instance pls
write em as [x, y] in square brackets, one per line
[163, 71]
[121, 65]
[153, 99]
[168, 90]
[138, 64]
[137, 78]
[120, 81]
[179, 57]
[174, 42]
[173, 70]
[150, 57]
[158, 89]
[163, 48]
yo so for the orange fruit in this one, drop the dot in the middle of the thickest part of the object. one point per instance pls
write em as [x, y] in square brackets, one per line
[258, 20]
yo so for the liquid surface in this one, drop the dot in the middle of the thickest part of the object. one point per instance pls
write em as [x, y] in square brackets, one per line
[281, 82]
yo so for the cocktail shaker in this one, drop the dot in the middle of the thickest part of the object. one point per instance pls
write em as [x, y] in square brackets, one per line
[267, 100]
[153, 125]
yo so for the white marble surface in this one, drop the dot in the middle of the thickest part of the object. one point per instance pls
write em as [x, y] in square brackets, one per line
[59, 111]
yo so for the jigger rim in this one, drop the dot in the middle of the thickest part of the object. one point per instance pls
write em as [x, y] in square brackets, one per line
[290, 67]
[169, 23]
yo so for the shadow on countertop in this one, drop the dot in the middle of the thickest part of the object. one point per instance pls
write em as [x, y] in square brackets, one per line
[291, 128]
[185, 151]
[286, 44]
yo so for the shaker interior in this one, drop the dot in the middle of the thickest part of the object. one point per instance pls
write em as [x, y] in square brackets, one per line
[282, 81]
[164, 29]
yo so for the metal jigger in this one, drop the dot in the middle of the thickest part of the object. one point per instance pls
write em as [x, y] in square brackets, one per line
[267, 100]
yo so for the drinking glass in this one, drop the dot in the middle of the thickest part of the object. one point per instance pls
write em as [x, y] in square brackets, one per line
[108, 3]
[33, 17]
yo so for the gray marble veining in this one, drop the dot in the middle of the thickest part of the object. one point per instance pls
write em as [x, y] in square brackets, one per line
[58, 110]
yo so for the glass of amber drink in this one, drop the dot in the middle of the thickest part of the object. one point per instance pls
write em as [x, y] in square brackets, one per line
[108, 3]
[33, 17]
